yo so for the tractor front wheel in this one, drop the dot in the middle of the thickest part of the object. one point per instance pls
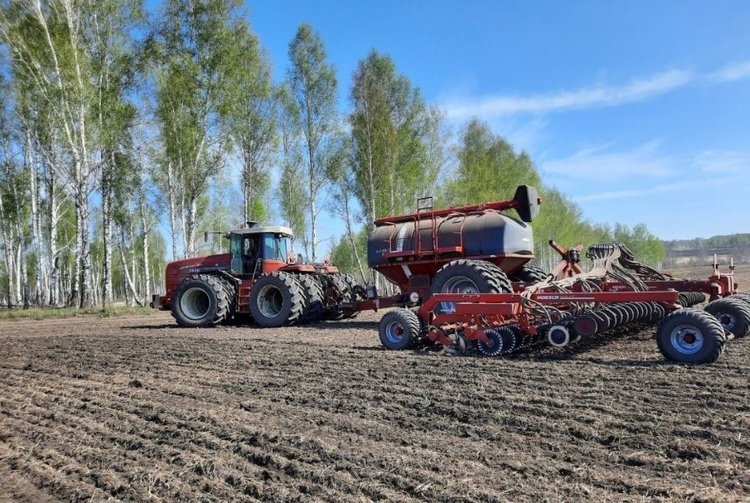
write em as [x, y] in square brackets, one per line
[201, 301]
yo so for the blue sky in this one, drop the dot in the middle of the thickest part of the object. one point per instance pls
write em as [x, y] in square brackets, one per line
[638, 111]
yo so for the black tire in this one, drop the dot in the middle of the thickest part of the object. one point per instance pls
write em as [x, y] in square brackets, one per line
[733, 315]
[399, 329]
[202, 301]
[312, 290]
[354, 287]
[463, 275]
[529, 273]
[494, 346]
[690, 336]
[336, 292]
[742, 297]
[276, 299]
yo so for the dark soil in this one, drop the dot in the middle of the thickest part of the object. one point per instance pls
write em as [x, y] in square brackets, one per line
[134, 408]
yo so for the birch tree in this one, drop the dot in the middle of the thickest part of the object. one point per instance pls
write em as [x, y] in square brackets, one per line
[291, 189]
[313, 84]
[248, 110]
[48, 43]
[194, 50]
[394, 135]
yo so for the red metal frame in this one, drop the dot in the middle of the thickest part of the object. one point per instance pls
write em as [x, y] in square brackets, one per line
[475, 312]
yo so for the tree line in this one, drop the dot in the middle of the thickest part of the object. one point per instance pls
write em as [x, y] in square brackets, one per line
[125, 136]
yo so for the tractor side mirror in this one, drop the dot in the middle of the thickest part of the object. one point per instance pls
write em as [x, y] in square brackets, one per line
[528, 202]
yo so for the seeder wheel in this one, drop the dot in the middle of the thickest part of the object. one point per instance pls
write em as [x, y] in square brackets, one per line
[733, 315]
[399, 329]
[690, 336]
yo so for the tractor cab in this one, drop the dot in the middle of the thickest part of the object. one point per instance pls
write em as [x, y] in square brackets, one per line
[255, 250]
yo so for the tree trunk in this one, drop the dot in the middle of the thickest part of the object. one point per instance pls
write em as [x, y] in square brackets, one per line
[8, 249]
[350, 233]
[145, 229]
[54, 260]
[128, 277]
[40, 295]
[190, 225]
[85, 281]
[22, 278]
[133, 259]
[107, 245]
[171, 196]
[313, 230]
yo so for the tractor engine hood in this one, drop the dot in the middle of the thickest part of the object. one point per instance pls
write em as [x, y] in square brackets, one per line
[186, 266]
[179, 269]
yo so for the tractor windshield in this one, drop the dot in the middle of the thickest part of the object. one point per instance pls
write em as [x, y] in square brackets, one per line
[276, 247]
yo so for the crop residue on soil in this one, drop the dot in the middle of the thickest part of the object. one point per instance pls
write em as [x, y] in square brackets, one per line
[135, 408]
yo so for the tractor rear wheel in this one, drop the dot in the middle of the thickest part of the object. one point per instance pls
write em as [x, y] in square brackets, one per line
[202, 301]
[276, 299]
[690, 336]
[733, 315]
[529, 273]
[469, 276]
[312, 289]
[399, 329]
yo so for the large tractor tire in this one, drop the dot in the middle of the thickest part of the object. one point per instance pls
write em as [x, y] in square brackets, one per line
[469, 276]
[337, 291]
[399, 329]
[733, 314]
[312, 289]
[202, 301]
[357, 291]
[529, 273]
[277, 299]
[690, 336]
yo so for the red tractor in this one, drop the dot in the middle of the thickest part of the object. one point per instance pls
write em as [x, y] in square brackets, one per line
[260, 277]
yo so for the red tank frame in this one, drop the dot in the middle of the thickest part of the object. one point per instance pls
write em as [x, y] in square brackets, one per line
[412, 269]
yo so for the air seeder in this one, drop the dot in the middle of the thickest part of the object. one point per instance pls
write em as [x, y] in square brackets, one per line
[465, 281]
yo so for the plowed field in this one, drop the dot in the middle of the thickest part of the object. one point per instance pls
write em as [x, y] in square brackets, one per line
[135, 408]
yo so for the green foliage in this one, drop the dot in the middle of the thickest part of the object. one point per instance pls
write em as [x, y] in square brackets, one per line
[248, 110]
[312, 87]
[292, 195]
[342, 254]
[391, 132]
[488, 168]
[646, 247]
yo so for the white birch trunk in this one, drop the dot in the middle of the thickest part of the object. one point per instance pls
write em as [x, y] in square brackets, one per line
[54, 260]
[144, 244]
[128, 277]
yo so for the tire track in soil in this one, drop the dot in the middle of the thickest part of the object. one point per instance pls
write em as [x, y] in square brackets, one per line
[321, 413]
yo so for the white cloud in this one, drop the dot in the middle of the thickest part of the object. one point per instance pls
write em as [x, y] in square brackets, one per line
[595, 96]
[642, 171]
[604, 165]
[587, 97]
[649, 190]
[731, 72]
[723, 161]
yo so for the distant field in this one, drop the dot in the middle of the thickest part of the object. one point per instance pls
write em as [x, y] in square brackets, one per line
[741, 273]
